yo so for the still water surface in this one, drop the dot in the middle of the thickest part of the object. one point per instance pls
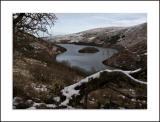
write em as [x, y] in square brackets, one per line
[89, 62]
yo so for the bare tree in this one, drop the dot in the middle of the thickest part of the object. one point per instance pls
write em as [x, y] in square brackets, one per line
[33, 22]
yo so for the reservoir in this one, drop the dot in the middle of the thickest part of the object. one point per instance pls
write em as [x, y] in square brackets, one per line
[89, 62]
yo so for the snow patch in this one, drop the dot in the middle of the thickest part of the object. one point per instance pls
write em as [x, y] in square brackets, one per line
[50, 105]
[91, 38]
[145, 53]
[122, 96]
[32, 107]
[36, 105]
[57, 99]
[127, 73]
[131, 72]
[36, 45]
[65, 103]
[39, 87]
[70, 91]
[133, 100]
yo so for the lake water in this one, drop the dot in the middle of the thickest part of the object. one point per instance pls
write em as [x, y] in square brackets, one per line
[89, 62]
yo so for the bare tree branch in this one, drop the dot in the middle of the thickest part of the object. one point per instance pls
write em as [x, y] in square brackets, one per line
[33, 22]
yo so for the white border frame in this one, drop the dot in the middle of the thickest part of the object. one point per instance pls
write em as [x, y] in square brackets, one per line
[149, 7]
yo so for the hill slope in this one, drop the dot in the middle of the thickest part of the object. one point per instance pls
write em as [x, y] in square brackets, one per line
[109, 36]
[39, 80]
[36, 75]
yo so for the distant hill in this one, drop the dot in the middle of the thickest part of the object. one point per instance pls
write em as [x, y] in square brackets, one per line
[108, 36]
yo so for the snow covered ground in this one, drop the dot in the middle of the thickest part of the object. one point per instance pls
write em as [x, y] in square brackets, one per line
[70, 91]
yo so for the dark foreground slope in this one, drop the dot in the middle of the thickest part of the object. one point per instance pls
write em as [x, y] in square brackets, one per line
[36, 75]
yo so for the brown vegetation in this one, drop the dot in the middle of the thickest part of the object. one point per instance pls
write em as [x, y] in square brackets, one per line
[36, 74]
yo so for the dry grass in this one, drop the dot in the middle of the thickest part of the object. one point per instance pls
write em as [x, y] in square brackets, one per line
[35, 68]
[29, 71]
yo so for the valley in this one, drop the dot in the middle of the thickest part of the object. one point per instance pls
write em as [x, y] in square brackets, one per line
[53, 74]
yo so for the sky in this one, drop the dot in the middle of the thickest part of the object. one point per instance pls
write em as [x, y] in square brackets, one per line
[68, 23]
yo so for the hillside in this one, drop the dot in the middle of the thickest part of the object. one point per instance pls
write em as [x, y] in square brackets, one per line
[109, 36]
[42, 83]
[36, 75]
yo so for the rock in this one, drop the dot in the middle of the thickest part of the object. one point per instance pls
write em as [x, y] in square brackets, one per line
[18, 103]
[29, 103]
[17, 100]
[40, 105]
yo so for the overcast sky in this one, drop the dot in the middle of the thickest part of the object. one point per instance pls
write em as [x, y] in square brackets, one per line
[75, 22]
